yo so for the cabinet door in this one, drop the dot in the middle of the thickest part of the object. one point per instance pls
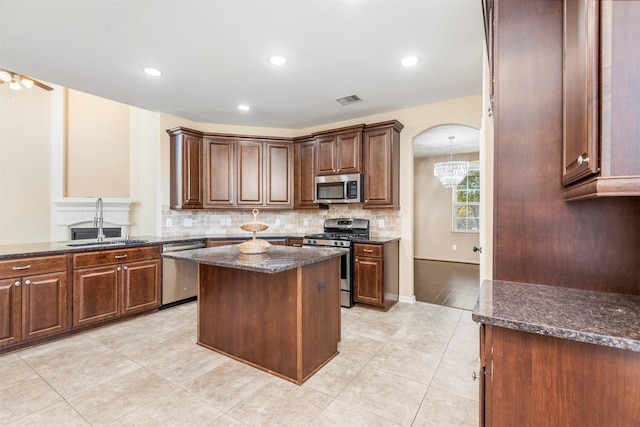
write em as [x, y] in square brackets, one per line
[279, 174]
[140, 286]
[367, 285]
[295, 242]
[219, 172]
[95, 294]
[192, 172]
[10, 317]
[580, 86]
[44, 304]
[349, 152]
[379, 176]
[326, 155]
[305, 173]
[250, 173]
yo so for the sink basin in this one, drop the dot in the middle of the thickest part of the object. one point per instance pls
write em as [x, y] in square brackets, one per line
[109, 242]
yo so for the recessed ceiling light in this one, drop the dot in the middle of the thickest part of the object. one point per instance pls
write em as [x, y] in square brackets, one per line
[278, 60]
[153, 72]
[409, 61]
[243, 107]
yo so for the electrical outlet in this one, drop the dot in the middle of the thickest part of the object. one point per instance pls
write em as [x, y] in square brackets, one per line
[381, 223]
[306, 222]
[188, 222]
[169, 222]
[454, 248]
[277, 222]
[228, 221]
[221, 221]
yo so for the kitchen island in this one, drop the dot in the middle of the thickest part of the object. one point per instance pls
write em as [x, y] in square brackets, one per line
[278, 311]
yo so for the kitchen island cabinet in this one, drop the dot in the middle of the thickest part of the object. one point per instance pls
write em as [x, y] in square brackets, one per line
[556, 356]
[33, 298]
[278, 311]
[114, 283]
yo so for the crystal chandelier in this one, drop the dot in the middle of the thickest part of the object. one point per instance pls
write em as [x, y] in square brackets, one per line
[451, 172]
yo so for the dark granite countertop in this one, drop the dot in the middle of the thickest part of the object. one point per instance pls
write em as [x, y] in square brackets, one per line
[377, 240]
[22, 250]
[600, 318]
[275, 260]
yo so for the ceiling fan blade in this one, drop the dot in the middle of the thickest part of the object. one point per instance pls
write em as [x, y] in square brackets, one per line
[40, 85]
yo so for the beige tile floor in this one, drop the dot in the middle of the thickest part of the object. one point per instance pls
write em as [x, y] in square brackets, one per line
[410, 366]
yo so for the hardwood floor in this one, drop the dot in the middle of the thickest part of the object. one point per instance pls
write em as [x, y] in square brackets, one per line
[451, 284]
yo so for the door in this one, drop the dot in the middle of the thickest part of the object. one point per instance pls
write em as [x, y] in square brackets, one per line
[44, 304]
[326, 160]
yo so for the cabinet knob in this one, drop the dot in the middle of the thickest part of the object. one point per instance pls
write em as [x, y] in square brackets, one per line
[582, 160]
[125, 268]
[27, 282]
[17, 283]
[119, 268]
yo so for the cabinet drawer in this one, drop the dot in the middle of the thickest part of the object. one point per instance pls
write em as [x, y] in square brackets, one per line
[362, 249]
[30, 266]
[115, 256]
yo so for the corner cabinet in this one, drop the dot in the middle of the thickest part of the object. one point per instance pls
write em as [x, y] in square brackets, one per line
[381, 147]
[376, 274]
[185, 166]
[33, 298]
[601, 99]
[114, 283]
[304, 170]
[339, 151]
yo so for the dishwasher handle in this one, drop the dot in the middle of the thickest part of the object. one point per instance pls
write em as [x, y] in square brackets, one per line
[175, 247]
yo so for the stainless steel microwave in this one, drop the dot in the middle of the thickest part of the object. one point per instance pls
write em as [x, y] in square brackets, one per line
[339, 189]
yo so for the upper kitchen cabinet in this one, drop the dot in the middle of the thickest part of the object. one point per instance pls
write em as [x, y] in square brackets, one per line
[185, 169]
[601, 99]
[219, 173]
[304, 169]
[278, 166]
[381, 147]
[339, 151]
[250, 173]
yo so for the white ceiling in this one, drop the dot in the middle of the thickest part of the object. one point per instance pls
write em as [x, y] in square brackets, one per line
[214, 54]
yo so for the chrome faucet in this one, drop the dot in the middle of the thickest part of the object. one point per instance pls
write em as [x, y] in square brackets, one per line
[98, 220]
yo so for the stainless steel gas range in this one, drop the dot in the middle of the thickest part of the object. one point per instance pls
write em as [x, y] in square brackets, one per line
[340, 233]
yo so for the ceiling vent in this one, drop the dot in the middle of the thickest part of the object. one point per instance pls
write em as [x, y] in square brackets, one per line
[347, 100]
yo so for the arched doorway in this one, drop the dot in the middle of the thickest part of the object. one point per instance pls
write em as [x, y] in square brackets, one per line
[446, 220]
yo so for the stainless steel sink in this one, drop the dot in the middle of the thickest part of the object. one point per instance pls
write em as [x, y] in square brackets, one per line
[109, 242]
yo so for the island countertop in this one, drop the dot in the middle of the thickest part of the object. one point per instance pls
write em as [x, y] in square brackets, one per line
[600, 318]
[275, 260]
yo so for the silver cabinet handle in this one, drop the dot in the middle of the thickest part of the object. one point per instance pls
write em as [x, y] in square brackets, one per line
[26, 267]
[125, 268]
[121, 256]
[27, 282]
[582, 160]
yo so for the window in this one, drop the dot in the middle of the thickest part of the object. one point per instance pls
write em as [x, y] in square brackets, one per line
[466, 202]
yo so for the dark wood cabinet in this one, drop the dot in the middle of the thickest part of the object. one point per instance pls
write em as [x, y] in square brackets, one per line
[381, 146]
[185, 164]
[339, 151]
[219, 173]
[532, 379]
[33, 298]
[113, 283]
[294, 241]
[278, 166]
[376, 274]
[601, 100]
[304, 155]
[250, 173]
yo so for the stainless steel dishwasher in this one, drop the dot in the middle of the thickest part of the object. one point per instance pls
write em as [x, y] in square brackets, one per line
[179, 278]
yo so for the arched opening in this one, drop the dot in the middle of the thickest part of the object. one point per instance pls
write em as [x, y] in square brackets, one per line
[446, 220]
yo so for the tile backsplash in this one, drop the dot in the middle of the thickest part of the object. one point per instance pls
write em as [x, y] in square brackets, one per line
[385, 222]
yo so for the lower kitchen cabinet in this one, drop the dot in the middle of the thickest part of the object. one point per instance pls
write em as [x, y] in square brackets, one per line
[376, 274]
[33, 298]
[114, 283]
[531, 379]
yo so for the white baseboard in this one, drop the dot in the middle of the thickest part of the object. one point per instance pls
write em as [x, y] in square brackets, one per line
[411, 299]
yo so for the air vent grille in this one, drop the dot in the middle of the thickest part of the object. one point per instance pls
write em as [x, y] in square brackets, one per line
[350, 99]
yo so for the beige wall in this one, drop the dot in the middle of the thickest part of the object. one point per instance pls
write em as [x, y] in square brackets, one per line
[97, 148]
[433, 233]
[25, 134]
